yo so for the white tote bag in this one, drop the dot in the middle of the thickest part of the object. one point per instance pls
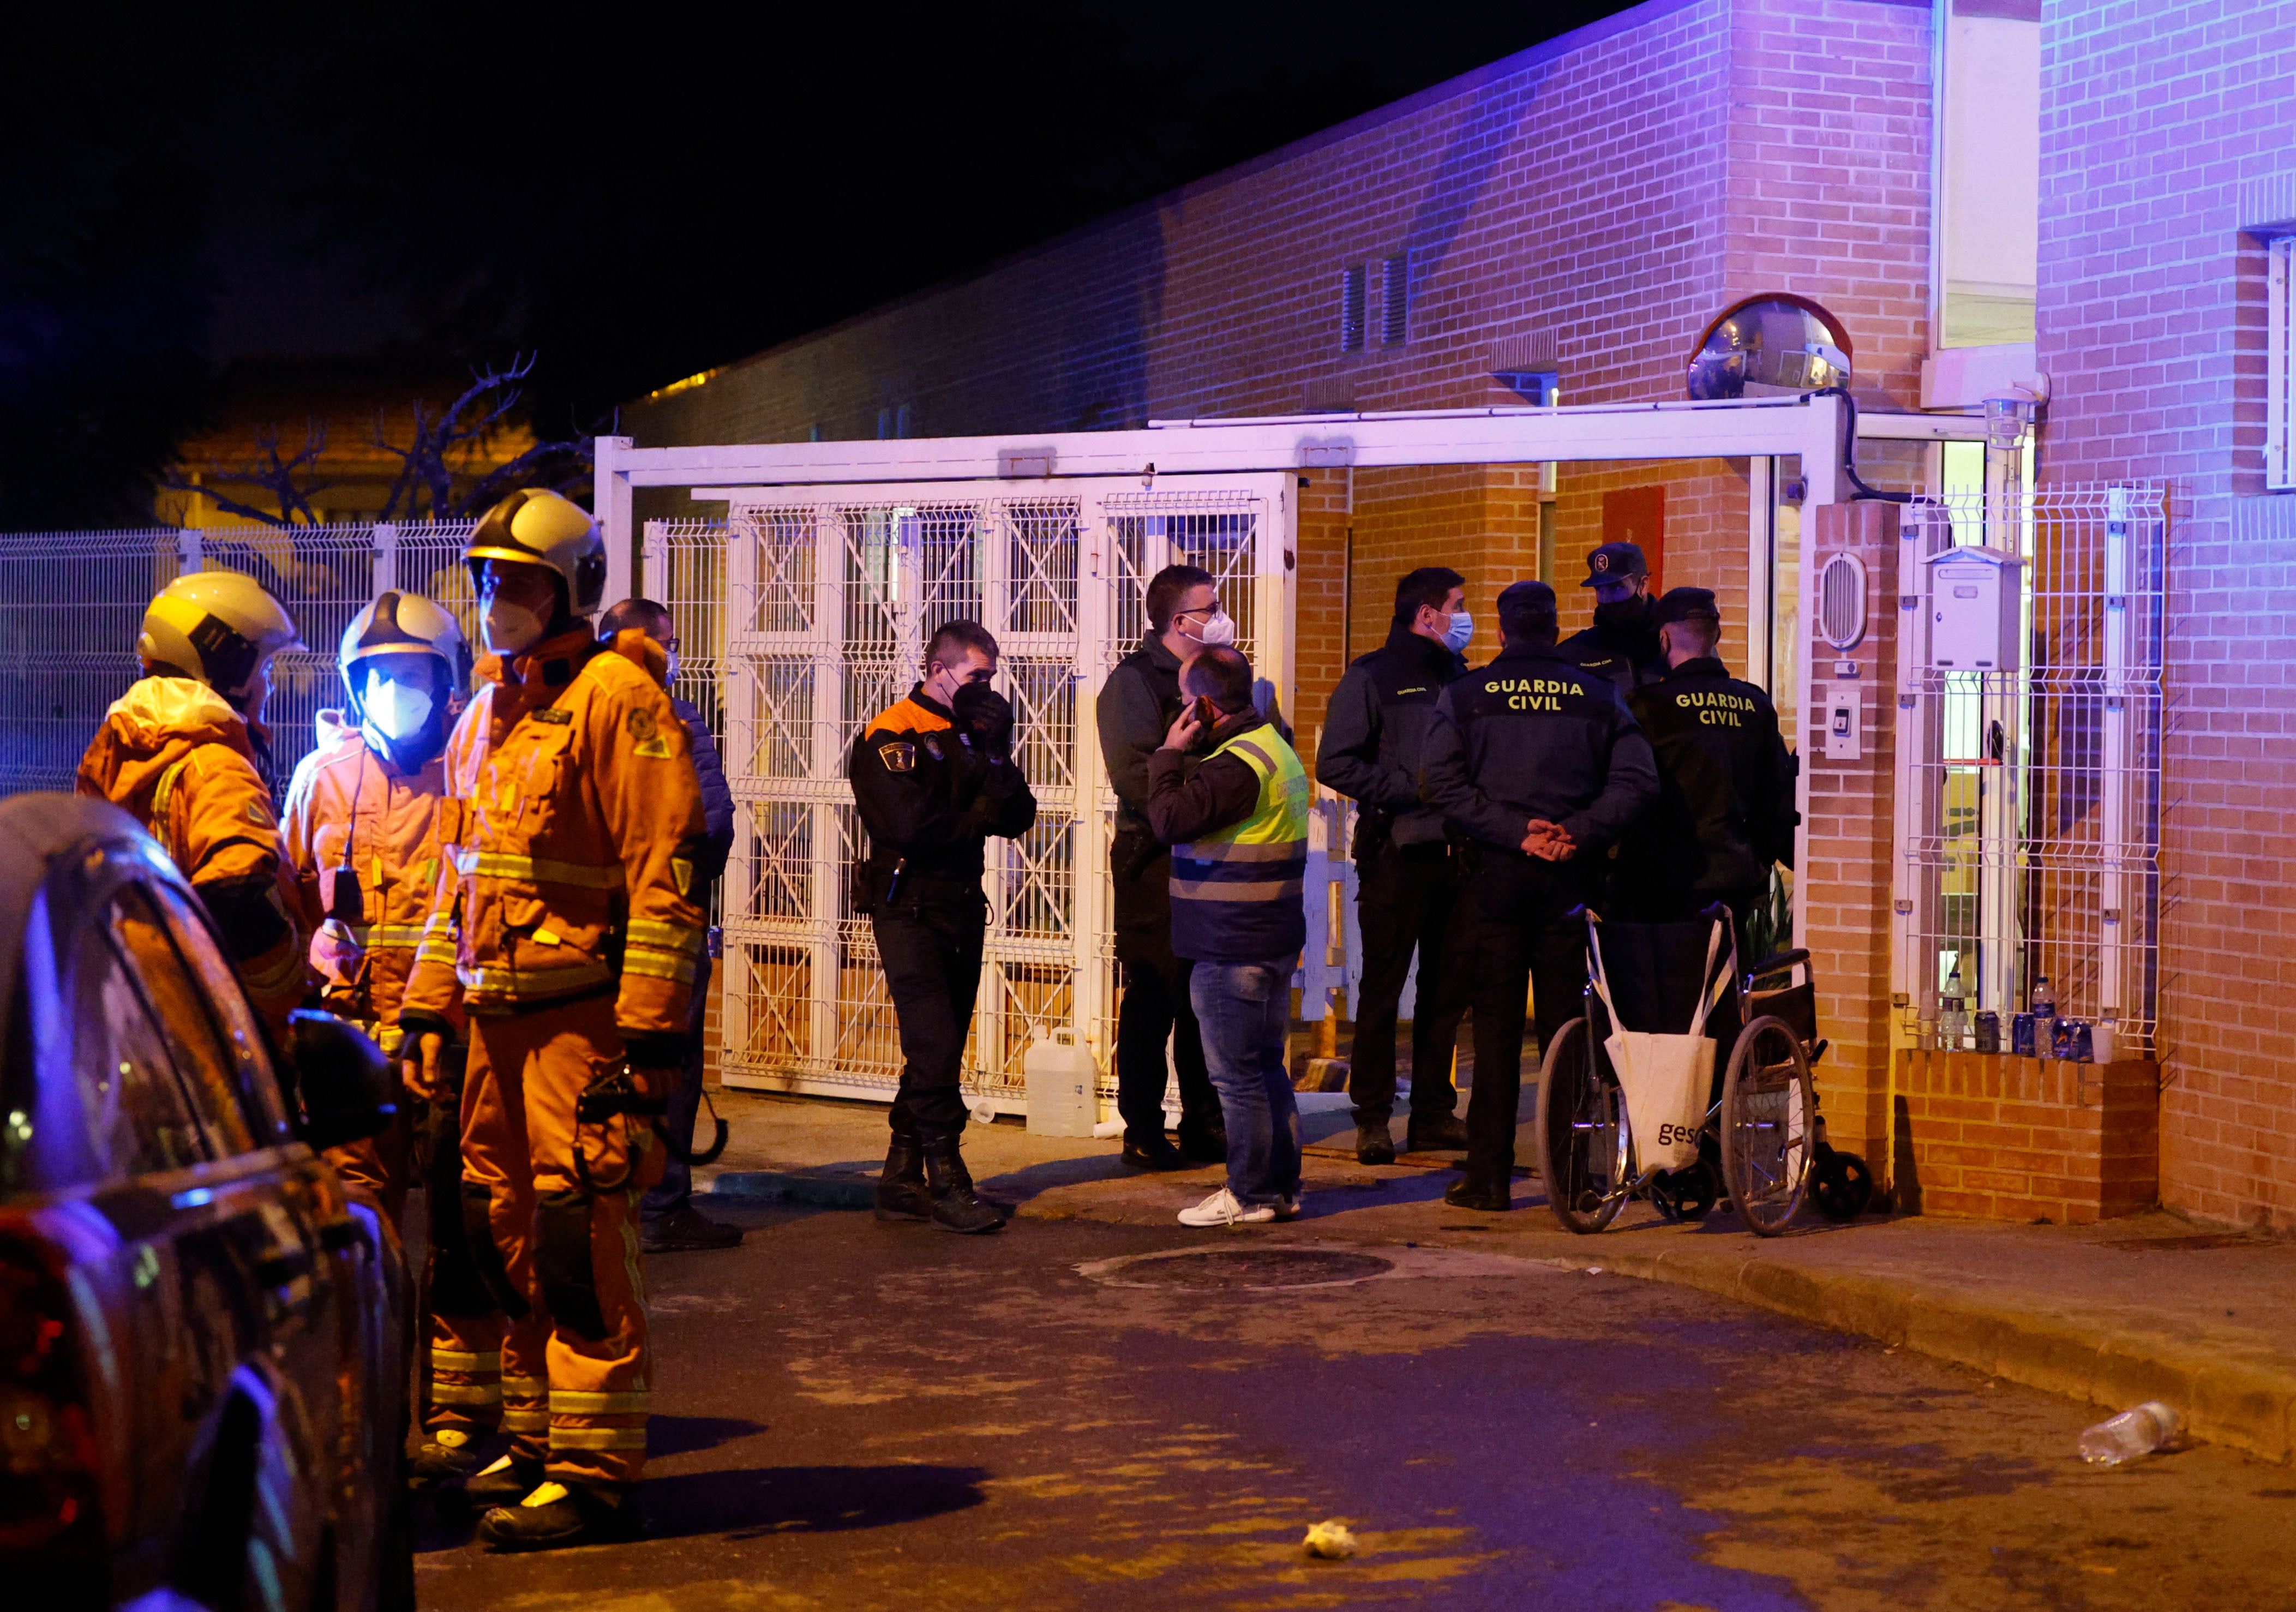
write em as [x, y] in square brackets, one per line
[1664, 1078]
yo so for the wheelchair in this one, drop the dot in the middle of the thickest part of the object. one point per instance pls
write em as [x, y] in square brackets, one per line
[1762, 1144]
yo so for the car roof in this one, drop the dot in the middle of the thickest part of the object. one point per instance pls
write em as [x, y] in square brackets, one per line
[37, 831]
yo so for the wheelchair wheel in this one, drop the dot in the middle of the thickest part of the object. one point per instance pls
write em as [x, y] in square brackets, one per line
[1769, 1125]
[1580, 1125]
[1840, 1185]
[1685, 1194]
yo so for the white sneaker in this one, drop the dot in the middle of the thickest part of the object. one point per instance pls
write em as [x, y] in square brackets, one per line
[1225, 1208]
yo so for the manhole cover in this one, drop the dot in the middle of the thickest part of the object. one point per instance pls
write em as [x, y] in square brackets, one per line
[1244, 1270]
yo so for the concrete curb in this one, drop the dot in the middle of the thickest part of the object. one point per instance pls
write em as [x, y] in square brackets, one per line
[783, 1186]
[2242, 1404]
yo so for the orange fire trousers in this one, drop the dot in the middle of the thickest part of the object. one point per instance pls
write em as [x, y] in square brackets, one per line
[575, 1401]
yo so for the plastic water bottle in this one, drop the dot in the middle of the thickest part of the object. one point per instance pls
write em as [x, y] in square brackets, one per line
[1953, 1016]
[2044, 1018]
[2151, 1426]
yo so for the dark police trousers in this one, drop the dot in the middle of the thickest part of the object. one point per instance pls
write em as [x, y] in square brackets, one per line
[930, 945]
[1405, 896]
[1155, 1002]
[1515, 930]
[675, 1189]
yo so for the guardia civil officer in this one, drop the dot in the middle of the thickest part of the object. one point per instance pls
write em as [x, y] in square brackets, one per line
[1541, 763]
[1622, 645]
[1406, 865]
[1725, 803]
[933, 776]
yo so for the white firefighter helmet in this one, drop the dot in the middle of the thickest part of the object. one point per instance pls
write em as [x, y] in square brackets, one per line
[216, 625]
[403, 624]
[540, 528]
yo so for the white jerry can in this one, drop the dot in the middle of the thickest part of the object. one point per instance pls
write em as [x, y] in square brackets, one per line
[1060, 1079]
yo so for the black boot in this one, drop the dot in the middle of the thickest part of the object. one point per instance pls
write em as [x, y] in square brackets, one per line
[954, 1207]
[1435, 1134]
[901, 1192]
[505, 1483]
[996, 1206]
[1468, 1192]
[447, 1455]
[1203, 1137]
[561, 1514]
[1374, 1142]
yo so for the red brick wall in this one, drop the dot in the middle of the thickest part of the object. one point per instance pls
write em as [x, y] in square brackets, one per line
[1999, 1138]
[2167, 129]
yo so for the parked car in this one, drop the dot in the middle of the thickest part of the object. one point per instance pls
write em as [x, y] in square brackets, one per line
[203, 1342]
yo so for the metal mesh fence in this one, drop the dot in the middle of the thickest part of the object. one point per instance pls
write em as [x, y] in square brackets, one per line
[2031, 794]
[76, 604]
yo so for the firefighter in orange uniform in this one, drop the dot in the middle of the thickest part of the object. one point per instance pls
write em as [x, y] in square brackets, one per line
[564, 926]
[181, 752]
[361, 829]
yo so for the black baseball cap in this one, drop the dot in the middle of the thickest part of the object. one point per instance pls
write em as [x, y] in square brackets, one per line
[1687, 604]
[1615, 563]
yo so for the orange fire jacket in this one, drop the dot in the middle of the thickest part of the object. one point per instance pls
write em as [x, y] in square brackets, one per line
[351, 810]
[174, 756]
[572, 821]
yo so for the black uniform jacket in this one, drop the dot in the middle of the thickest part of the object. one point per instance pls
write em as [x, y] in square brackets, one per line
[928, 798]
[1137, 706]
[1532, 735]
[1725, 803]
[1375, 737]
[1629, 660]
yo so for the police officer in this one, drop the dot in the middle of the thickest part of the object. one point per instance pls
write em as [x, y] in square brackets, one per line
[668, 1223]
[1622, 645]
[1726, 804]
[185, 752]
[1136, 707]
[1404, 873]
[1538, 760]
[933, 776]
[564, 927]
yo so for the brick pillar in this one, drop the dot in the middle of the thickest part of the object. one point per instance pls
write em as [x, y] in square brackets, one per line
[1842, 892]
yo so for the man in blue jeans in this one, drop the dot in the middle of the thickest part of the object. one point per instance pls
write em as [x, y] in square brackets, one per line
[1237, 822]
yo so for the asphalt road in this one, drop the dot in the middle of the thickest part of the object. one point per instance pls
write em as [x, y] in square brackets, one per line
[855, 1416]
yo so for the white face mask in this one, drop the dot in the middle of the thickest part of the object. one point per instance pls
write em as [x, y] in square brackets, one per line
[1218, 629]
[1462, 629]
[397, 710]
[512, 627]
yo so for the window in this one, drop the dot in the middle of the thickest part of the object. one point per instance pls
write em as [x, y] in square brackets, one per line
[1395, 299]
[246, 1048]
[2280, 336]
[208, 1068]
[1352, 283]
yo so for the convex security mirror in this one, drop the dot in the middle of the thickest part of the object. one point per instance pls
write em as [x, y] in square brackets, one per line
[1772, 346]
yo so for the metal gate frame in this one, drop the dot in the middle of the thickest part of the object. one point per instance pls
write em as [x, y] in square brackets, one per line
[830, 595]
[1806, 429]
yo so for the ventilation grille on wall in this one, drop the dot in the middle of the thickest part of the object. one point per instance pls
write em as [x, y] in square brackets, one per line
[1352, 283]
[1395, 299]
[1842, 601]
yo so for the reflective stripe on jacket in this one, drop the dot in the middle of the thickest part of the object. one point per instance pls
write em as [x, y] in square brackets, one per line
[568, 841]
[1237, 890]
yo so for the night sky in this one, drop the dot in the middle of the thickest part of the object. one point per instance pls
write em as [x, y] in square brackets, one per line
[434, 185]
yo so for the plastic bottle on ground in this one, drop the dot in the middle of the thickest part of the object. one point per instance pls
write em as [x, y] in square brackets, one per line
[2151, 1426]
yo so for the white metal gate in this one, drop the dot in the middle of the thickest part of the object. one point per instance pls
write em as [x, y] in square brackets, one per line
[829, 593]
